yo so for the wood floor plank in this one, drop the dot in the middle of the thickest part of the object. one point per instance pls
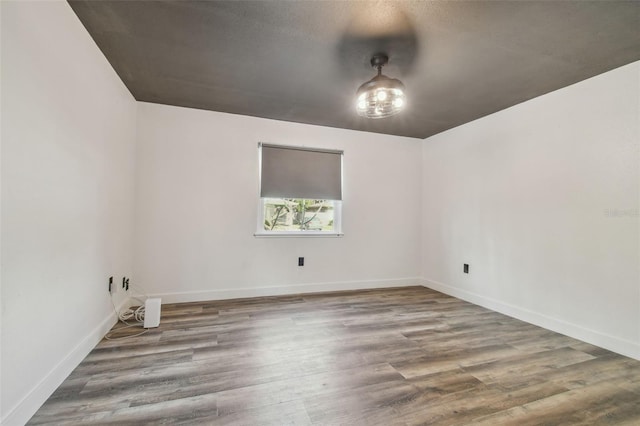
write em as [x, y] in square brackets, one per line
[599, 404]
[400, 356]
[290, 413]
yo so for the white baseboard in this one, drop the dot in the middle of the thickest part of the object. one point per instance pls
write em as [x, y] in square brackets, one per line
[612, 343]
[236, 293]
[33, 400]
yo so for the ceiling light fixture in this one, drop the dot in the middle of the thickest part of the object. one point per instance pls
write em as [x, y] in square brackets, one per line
[381, 96]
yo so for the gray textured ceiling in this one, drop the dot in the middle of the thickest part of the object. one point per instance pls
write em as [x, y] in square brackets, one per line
[302, 61]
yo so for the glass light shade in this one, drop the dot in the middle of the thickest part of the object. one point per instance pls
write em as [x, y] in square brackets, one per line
[380, 97]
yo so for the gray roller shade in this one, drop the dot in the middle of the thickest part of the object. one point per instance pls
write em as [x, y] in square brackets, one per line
[291, 172]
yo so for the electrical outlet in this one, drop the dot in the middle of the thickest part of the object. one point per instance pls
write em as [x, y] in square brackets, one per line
[111, 284]
[465, 269]
[301, 261]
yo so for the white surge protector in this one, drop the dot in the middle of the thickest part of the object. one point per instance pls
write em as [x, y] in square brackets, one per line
[152, 312]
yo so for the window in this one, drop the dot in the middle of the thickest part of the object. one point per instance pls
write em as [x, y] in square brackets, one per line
[300, 191]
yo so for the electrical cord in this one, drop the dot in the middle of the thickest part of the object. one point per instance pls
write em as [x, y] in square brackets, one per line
[137, 314]
[128, 314]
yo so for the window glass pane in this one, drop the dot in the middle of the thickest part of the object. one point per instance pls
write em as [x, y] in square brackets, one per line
[298, 214]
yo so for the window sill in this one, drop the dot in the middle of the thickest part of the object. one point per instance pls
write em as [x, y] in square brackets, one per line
[298, 234]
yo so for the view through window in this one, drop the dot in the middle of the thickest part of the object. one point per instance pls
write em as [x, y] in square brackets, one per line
[298, 214]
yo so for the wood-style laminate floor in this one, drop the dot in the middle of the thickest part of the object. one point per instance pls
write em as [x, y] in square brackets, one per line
[399, 356]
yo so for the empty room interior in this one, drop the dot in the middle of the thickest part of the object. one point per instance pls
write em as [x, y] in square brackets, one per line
[320, 212]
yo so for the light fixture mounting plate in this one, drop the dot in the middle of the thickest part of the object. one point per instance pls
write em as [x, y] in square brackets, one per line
[379, 60]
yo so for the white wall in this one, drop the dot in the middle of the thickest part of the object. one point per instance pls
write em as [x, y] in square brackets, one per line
[196, 209]
[68, 145]
[542, 201]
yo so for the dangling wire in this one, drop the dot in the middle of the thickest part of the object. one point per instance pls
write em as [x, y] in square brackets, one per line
[128, 314]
